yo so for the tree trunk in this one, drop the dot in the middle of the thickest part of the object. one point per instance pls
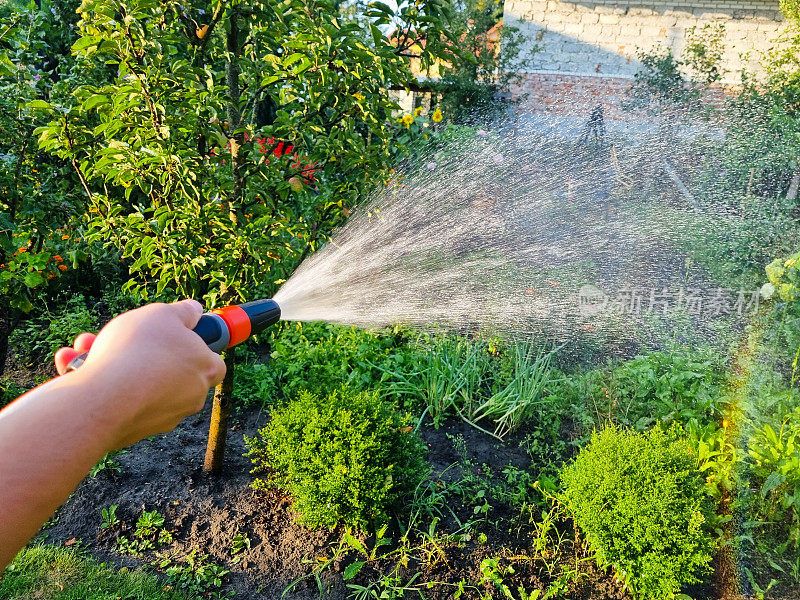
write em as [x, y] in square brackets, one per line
[218, 430]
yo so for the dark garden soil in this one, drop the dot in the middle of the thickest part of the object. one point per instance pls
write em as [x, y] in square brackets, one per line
[163, 473]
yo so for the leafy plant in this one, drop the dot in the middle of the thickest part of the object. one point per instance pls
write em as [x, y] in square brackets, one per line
[639, 500]
[321, 358]
[776, 465]
[239, 544]
[345, 458]
[39, 338]
[9, 391]
[149, 534]
[108, 464]
[682, 385]
[110, 518]
[196, 575]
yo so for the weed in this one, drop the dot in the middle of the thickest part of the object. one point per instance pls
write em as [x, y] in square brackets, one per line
[239, 544]
[196, 575]
[110, 518]
[108, 464]
[149, 534]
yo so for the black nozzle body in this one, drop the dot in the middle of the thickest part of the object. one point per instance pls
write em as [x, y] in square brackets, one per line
[262, 313]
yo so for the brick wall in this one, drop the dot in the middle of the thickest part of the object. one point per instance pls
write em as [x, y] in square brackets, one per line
[589, 50]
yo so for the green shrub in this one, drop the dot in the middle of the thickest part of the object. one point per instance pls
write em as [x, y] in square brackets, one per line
[638, 499]
[775, 455]
[344, 458]
[321, 358]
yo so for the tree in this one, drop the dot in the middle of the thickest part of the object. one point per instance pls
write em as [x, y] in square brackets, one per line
[37, 205]
[182, 152]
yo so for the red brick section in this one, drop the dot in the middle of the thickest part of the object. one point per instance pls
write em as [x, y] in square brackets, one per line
[577, 94]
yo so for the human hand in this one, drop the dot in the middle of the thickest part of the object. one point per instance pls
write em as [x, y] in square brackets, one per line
[147, 368]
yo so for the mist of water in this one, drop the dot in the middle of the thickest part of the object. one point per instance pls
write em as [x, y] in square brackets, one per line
[516, 233]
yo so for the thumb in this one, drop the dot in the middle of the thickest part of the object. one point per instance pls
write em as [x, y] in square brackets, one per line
[189, 311]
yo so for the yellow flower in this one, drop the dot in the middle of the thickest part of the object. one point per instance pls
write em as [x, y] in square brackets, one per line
[407, 120]
[418, 111]
[437, 116]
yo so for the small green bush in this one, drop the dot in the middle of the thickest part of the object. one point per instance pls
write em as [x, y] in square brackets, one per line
[638, 499]
[321, 358]
[344, 458]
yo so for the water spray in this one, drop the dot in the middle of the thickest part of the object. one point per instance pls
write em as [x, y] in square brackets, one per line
[223, 328]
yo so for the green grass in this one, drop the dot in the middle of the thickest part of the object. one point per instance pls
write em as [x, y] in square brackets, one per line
[51, 573]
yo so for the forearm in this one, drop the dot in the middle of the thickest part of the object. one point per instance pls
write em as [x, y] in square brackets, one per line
[63, 429]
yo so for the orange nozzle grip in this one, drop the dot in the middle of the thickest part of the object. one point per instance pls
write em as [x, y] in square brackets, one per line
[237, 321]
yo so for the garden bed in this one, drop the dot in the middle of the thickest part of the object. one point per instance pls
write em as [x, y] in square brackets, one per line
[164, 473]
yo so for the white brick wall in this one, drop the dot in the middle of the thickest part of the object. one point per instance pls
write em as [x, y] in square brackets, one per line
[604, 37]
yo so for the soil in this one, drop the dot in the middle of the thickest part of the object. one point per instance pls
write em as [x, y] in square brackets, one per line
[164, 473]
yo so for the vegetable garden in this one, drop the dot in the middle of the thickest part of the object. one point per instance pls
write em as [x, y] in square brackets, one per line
[162, 150]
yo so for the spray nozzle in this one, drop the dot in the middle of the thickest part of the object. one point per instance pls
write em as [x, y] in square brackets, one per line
[231, 325]
[227, 326]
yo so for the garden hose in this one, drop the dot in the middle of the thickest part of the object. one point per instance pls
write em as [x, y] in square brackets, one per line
[225, 327]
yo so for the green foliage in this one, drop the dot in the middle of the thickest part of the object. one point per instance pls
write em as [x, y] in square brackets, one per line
[196, 576]
[179, 149]
[660, 84]
[39, 338]
[791, 8]
[444, 375]
[150, 533]
[9, 391]
[514, 403]
[37, 194]
[65, 574]
[345, 457]
[470, 82]
[704, 49]
[681, 386]
[775, 454]
[321, 358]
[108, 464]
[110, 518]
[638, 499]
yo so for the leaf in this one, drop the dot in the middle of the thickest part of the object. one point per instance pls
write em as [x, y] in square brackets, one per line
[354, 543]
[33, 279]
[85, 42]
[353, 569]
[95, 100]
[773, 481]
[38, 104]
